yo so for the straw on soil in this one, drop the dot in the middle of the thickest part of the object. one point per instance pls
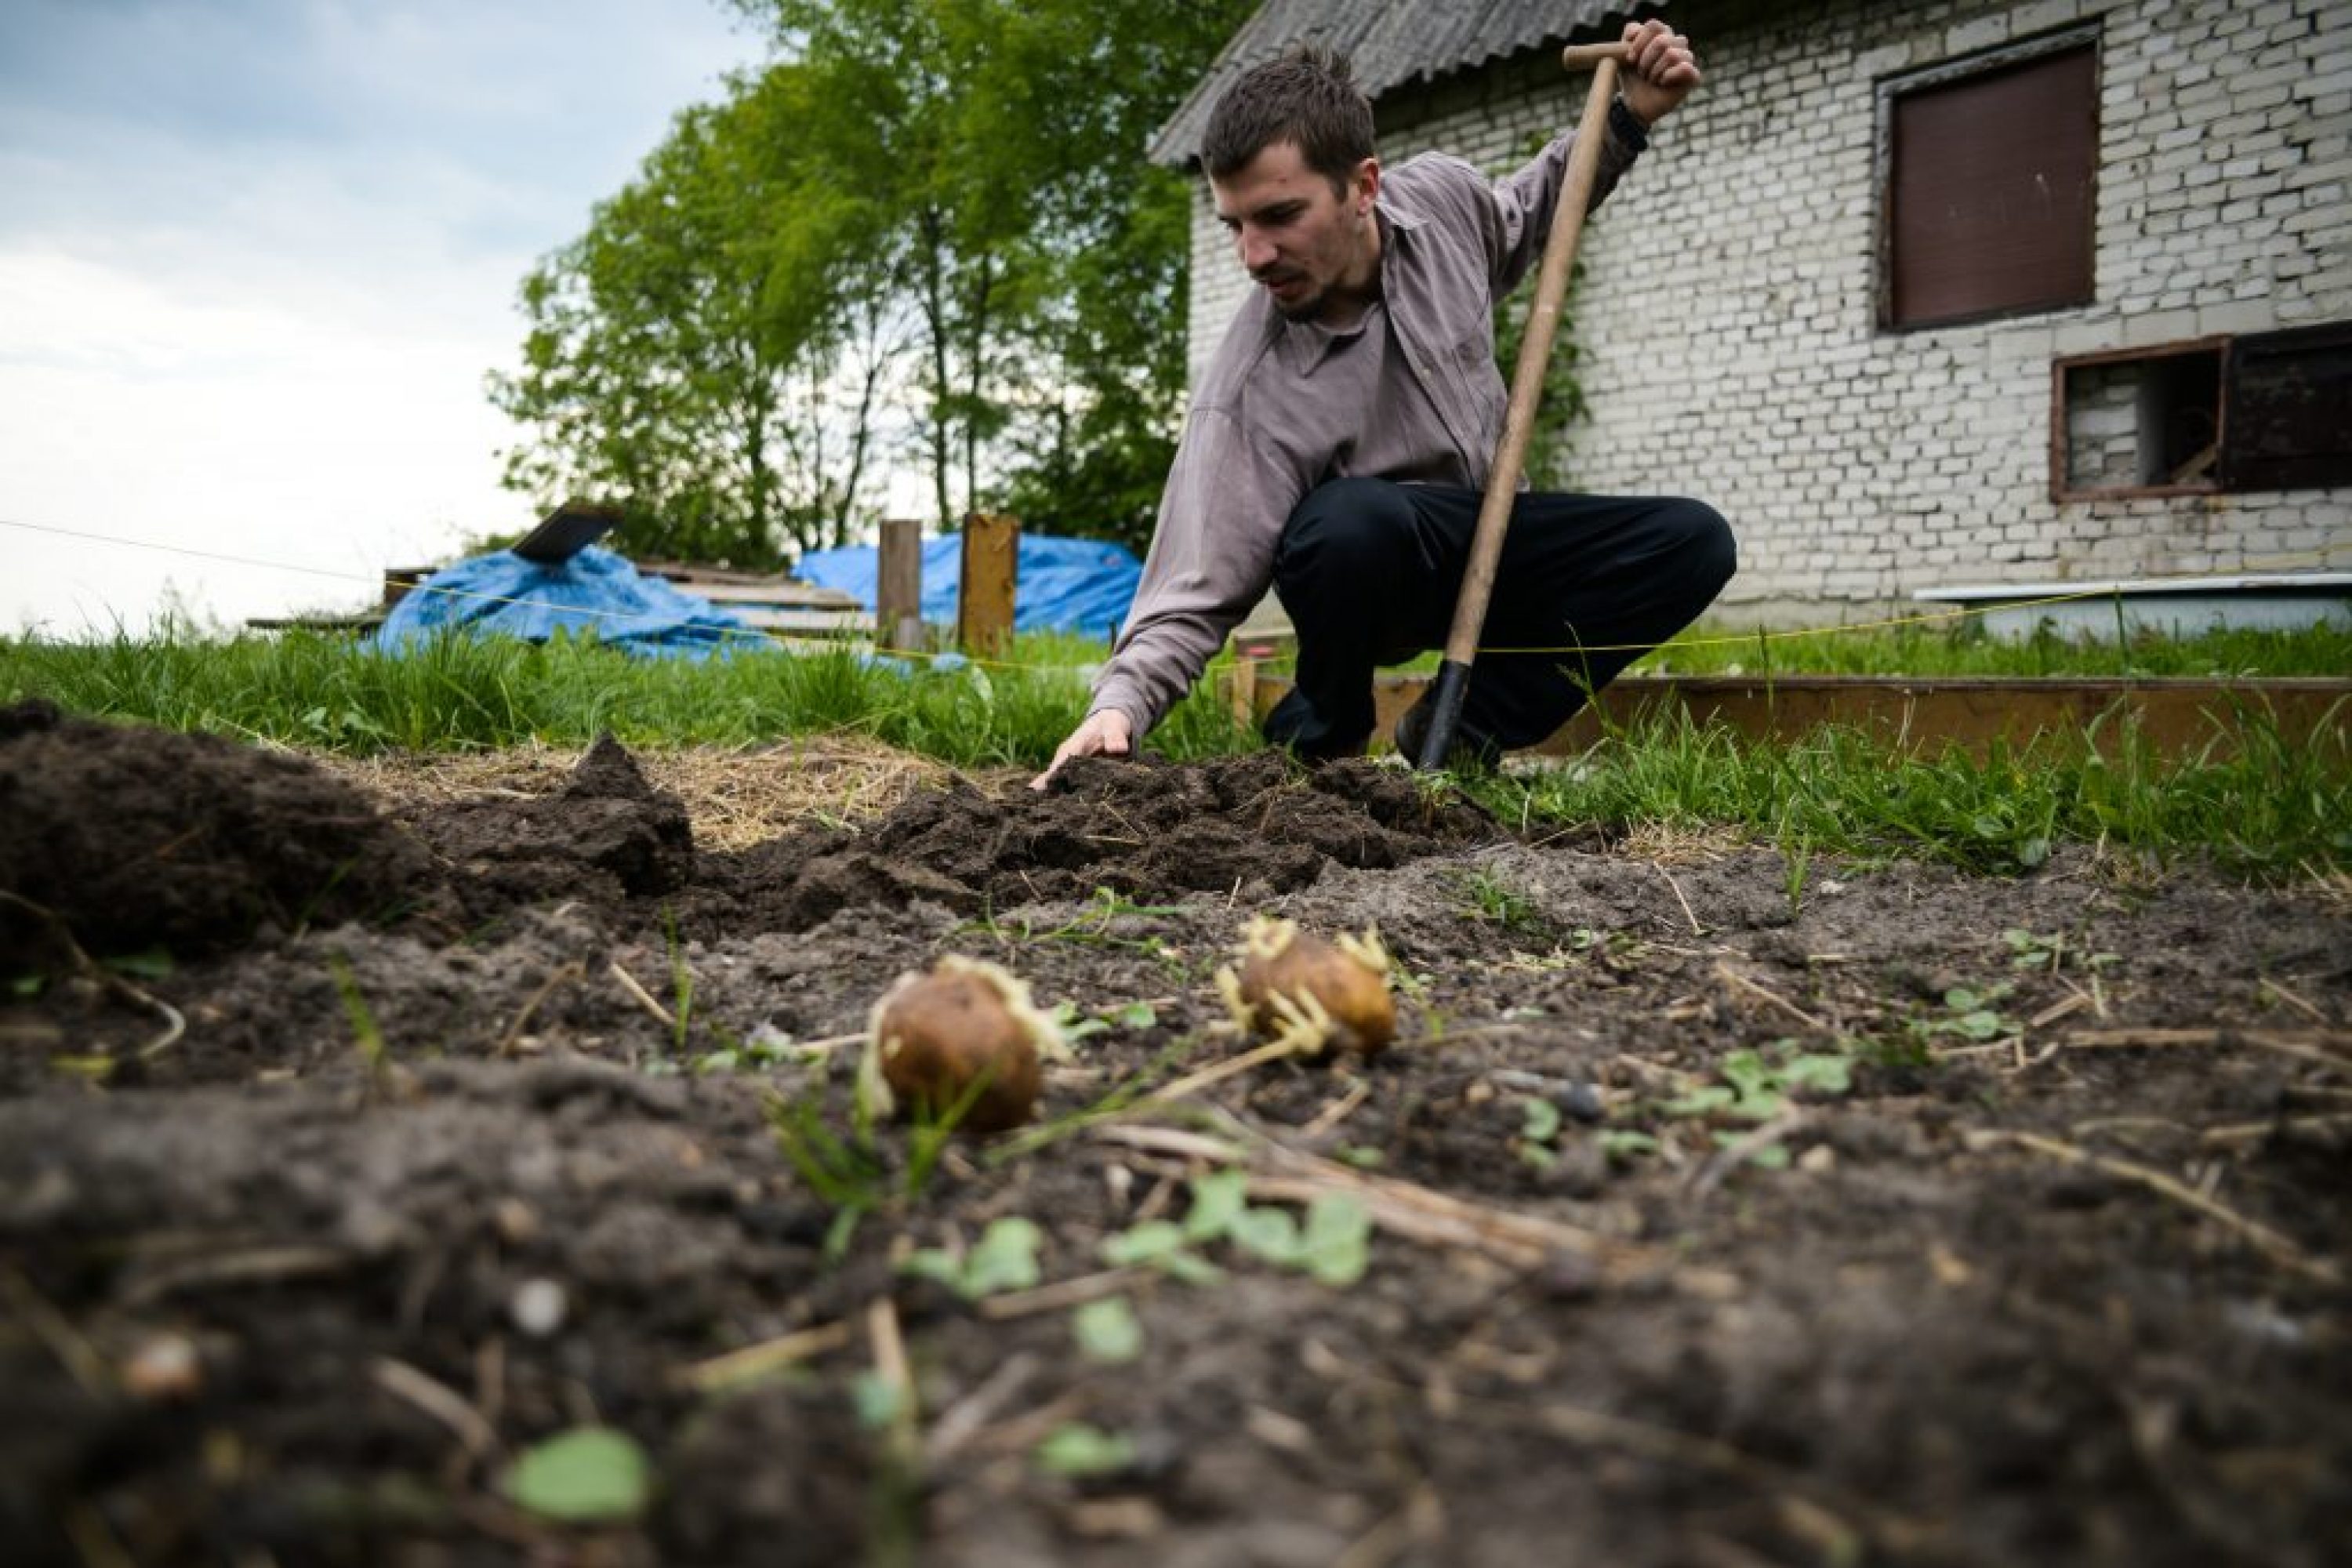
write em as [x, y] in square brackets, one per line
[734, 798]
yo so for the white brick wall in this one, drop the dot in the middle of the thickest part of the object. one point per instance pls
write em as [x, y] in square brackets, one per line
[1726, 316]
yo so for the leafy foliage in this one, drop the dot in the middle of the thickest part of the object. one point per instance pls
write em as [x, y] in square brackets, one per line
[929, 220]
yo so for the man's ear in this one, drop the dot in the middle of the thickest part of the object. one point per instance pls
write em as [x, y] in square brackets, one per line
[1364, 187]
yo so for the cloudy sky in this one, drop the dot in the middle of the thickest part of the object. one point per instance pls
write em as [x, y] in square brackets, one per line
[255, 257]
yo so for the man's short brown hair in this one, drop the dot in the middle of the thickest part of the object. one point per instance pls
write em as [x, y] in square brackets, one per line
[1307, 97]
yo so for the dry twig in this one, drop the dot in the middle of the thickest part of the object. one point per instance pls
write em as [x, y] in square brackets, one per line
[1763, 992]
[2280, 1248]
[573, 971]
[175, 1025]
[260, 1264]
[1217, 1072]
[905, 1438]
[1404, 1208]
[641, 997]
[1742, 1149]
[80, 1359]
[963, 1420]
[762, 1359]
[2320, 1047]
[439, 1401]
[1695, 929]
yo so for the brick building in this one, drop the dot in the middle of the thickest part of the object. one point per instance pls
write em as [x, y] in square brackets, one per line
[1927, 291]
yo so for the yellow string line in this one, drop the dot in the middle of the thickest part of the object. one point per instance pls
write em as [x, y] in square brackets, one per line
[1930, 617]
[588, 612]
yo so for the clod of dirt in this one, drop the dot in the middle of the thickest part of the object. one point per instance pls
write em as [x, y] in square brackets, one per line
[135, 839]
[607, 836]
[1254, 826]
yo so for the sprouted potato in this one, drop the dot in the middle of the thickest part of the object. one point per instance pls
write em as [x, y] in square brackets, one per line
[1319, 995]
[963, 1035]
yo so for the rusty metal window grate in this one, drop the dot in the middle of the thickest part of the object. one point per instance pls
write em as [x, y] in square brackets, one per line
[1989, 181]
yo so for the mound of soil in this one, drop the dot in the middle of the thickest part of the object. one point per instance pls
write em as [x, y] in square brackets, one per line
[136, 838]
[1248, 828]
[606, 836]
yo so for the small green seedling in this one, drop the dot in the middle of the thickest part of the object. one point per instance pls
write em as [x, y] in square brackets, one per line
[1537, 1144]
[1075, 1026]
[880, 1401]
[1798, 861]
[1108, 1331]
[1756, 1085]
[1004, 1258]
[1623, 1143]
[1334, 1244]
[760, 1053]
[1080, 1452]
[362, 1018]
[1973, 1015]
[589, 1475]
[2029, 951]
[1492, 898]
[1159, 1243]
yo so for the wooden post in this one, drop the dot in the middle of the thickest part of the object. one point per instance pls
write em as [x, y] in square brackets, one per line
[992, 554]
[899, 586]
[1241, 689]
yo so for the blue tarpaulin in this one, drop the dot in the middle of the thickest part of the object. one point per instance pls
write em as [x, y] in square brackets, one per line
[596, 591]
[1082, 586]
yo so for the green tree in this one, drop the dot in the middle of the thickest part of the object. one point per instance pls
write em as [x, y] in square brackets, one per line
[932, 211]
[682, 354]
[1043, 255]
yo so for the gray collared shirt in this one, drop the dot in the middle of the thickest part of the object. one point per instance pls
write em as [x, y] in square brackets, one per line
[1410, 392]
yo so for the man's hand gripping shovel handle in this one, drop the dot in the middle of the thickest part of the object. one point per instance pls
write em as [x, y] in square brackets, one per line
[1527, 391]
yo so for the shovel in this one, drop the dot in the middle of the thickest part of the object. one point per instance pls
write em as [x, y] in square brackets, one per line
[1527, 391]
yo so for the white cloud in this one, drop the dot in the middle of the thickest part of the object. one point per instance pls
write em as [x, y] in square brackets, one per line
[258, 260]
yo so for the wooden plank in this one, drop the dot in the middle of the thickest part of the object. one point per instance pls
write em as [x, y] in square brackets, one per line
[899, 585]
[780, 593]
[992, 544]
[360, 623]
[809, 623]
[2175, 717]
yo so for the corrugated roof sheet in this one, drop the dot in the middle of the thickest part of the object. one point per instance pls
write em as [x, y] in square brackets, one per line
[1393, 43]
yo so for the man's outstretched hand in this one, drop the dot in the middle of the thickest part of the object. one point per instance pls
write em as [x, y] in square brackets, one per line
[1660, 70]
[1104, 734]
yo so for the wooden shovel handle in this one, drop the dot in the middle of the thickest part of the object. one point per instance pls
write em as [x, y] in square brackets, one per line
[1535, 353]
[1586, 57]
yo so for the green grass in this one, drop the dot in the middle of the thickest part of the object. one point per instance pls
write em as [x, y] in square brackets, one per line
[2267, 806]
[2262, 806]
[329, 694]
[1962, 649]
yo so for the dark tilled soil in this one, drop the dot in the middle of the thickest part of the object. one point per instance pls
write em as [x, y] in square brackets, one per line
[388, 1173]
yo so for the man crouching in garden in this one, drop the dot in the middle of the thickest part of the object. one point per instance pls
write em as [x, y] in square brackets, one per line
[1339, 442]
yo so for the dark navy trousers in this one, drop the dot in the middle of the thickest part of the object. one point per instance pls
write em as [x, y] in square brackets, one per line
[1368, 571]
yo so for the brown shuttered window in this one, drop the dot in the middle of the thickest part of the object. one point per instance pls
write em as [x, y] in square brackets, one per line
[1990, 190]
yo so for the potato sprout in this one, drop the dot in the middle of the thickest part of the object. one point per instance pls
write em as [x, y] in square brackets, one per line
[1319, 995]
